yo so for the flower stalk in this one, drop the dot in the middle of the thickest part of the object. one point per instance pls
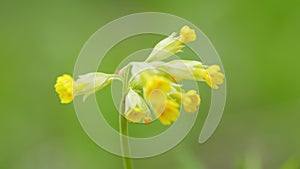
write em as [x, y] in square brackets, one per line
[123, 136]
[123, 123]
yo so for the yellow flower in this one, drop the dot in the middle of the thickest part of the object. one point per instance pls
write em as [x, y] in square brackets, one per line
[86, 85]
[64, 88]
[193, 70]
[187, 34]
[170, 113]
[213, 76]
[136, 108]
[165, 48]
[90, 83]
[172, 44]
[190, 100]
[182, 69]
[156, 82]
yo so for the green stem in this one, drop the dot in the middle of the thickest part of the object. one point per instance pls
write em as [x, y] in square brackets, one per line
[123, 137]
[123, 123]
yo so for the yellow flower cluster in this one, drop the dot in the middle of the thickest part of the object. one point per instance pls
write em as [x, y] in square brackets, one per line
[163, 96]
[156, 90]
[152, 93]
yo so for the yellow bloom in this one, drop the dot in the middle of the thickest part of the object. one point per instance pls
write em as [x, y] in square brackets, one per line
[86, 85]
[213, 76]
[190, 100]
[170, 113]
[182, 69]
[90, 83]
[156, 82]
[136, 108]
[172, 44]
[64, 88]
[165, 48]
[187, 34]
[193, 70]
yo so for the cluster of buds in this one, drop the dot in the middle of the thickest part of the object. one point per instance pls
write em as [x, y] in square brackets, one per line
[152, 89]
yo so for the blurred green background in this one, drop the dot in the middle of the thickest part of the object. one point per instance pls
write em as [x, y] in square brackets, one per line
[258, 42]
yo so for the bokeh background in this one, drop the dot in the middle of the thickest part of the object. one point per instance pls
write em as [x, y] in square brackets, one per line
[258, 42]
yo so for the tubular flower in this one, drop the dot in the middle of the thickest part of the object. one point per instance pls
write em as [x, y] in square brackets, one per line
[85, 85]
[169, 114]
[64, 88]
[213, 76]
[136, 108]
[90, 83]
[182, 69]
[193, 70]
[187, 34]
[171, 44]
[190, 100]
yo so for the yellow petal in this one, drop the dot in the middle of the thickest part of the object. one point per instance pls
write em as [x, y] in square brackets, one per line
[187, 34]
[64, 88]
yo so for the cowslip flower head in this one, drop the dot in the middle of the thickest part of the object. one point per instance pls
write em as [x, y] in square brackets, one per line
[150, 87]
[85, 85]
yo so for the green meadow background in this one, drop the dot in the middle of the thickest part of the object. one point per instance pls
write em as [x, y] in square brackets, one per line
[257, 40]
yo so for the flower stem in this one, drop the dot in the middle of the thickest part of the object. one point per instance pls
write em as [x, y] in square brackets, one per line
[123, 137]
